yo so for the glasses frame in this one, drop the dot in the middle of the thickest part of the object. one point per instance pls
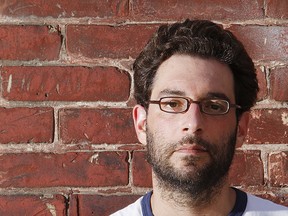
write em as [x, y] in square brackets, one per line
[199, 103]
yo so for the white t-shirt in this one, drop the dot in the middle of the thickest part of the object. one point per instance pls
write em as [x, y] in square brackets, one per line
[246, 205]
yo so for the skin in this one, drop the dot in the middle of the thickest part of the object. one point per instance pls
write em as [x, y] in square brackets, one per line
[197, 78]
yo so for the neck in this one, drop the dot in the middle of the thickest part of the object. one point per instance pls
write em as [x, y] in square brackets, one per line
[172, 201]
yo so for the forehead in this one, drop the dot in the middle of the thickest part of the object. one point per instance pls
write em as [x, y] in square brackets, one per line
[193, 76]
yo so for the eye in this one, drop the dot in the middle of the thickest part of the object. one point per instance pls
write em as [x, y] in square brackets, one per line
[173, 104]
[215, 106]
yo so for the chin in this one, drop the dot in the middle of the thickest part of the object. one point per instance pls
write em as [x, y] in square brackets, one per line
[190, 163]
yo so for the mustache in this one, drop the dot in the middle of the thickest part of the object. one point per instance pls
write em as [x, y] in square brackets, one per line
[198, 141]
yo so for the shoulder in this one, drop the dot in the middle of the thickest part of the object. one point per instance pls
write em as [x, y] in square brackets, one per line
[132, 209]
[259, 206]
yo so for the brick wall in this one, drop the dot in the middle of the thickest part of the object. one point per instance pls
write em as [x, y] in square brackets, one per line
[67, 140]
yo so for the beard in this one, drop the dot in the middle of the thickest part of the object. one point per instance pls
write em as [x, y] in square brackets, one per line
[196, 181]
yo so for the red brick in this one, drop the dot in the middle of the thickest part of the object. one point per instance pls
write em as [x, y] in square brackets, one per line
[99, 205]
[279, 84]
[263, 42]
[278, 166]
[247, 169]
[26, 125]
[276, 198]
[97, 126]
[70, 169]
[65, 84]
[141, 170]
[28, 43]
[277, 9]
[262, 84]
[32, 205]
[65, 8]
[274, 194]
[268, 126]
[107, 41]
[205, 9]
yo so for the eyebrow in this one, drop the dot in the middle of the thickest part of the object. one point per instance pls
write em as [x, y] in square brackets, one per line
[173, 92]
[166, 92]
[217, 95]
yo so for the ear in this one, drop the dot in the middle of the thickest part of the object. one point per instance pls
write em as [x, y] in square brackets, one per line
[140, 118]
[242, 128]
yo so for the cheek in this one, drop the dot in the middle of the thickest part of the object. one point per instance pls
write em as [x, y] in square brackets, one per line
[219, 127]
[161, 129]
[157, 120]
[164, 127]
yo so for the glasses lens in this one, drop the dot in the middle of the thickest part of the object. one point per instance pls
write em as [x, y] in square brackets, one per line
[215, 106]
[173, 104]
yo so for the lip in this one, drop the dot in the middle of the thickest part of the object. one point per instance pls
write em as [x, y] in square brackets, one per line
[191, 149]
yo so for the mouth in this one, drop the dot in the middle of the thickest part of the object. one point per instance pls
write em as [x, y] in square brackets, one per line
[191, 149]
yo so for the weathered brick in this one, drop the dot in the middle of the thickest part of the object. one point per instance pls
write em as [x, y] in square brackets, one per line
[107, 41]
[65, 8]
[277, 9]
[26, 125]
[97, 126]
[281, 199]
[268, 126]
[99, 205]
[279, 84]
[65, 84]
[274, 194]
[262, 84]
[29, 42]
[141, 170]
[116, 29]
[278, 166]
[263, 42]
[32, 205]
[205, 9]
[70, 169]
[247, 169]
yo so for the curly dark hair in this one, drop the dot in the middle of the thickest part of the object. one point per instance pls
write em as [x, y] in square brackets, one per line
[200, 38]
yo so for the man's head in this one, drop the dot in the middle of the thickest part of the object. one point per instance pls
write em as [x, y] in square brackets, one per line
[190, 82]
[196, 38]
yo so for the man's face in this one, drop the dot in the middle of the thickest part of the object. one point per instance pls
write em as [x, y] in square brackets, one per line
[191, 150]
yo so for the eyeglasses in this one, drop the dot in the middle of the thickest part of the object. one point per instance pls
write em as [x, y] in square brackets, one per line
[182, 104]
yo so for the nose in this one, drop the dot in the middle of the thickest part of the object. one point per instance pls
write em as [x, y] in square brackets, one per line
[192, 120]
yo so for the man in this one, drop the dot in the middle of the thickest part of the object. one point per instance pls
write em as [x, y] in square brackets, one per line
[194, 86]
